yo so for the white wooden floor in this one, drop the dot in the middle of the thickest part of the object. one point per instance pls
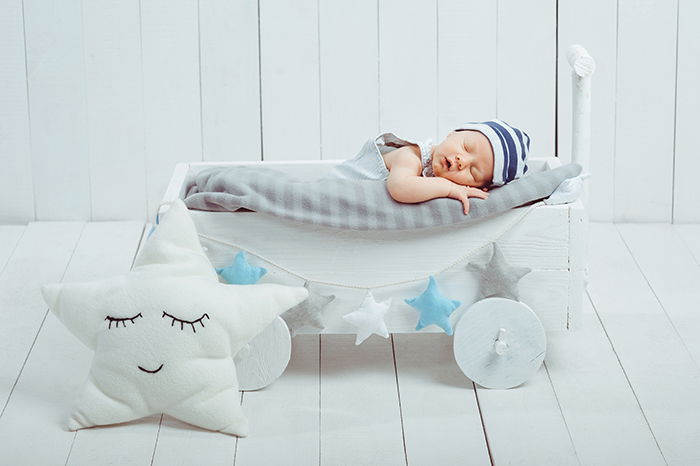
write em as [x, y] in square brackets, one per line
[624, 390]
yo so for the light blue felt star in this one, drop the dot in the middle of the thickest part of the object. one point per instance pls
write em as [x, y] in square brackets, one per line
[241, 272]
[434, 308]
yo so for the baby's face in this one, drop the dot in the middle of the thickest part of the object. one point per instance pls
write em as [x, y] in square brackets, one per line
[464, 157]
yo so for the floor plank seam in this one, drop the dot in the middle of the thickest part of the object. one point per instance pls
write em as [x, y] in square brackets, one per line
[41, 325]
[483, 424]
[235, 446]
[696, 259]
[12, 253]
[624, 372]
[70, 450]
[24, 363]
[561, 411]
[658, 300]
[155, 444]
[398, 394]
[142, 240]
[319, 399]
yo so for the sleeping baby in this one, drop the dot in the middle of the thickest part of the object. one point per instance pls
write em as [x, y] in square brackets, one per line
[468, 161]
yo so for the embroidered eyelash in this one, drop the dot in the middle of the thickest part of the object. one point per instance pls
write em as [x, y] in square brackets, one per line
[188, 322]
[122, 320]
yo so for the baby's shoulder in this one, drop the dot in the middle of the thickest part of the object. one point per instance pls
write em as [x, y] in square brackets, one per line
[406, 157]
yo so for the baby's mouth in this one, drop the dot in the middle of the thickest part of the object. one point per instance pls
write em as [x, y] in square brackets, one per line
[151, 372]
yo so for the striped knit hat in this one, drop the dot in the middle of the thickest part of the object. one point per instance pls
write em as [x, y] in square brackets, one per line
[510, 147]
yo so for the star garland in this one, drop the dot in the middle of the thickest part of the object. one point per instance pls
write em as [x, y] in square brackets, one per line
[496, 278]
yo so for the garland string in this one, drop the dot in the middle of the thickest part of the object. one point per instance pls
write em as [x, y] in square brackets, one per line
[414, 280]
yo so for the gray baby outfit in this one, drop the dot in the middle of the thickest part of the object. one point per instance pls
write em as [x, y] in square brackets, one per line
[369, 164]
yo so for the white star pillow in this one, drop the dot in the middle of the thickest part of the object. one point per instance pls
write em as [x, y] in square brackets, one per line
[369, 318]
[165, 334]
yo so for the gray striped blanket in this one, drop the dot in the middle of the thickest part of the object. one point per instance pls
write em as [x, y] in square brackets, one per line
[352, 204]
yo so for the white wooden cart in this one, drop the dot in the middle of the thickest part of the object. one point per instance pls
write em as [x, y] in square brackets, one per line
[498, 343]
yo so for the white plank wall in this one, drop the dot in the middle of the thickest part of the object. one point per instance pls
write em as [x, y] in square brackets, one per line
[686, 199]
[526, 69]
[643, 188]
[171, 104]
[228, 47]
[407, 68]
[114, 87]
[289, 78]
[99, 99]
[58, 109]
[348, 39]
[467, 63]
[15, 155]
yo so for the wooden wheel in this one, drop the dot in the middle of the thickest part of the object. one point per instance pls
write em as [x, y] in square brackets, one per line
[261, 361]
[499, 343]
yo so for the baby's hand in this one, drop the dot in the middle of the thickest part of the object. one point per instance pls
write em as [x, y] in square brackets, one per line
[463, 193]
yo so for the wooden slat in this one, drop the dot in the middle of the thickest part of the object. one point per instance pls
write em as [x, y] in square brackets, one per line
[284, 417]
[644, 126]
[524, 425]
[360, 414]
[672, 272]
[289, 79]
[606, 423]
[114, 88]
[57, 109]
[16, 173]
[575, 20]
[408, 68]
[171, 91]
[349, 70]
[526, 70]
[467, 63]
[686, 192]
[228, 35]
[40, 257]
[58, 364]
[660, 370]
[440, 415]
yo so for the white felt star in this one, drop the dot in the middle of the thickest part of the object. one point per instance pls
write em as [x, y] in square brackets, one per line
[165, 333]
[497, 278]
[369, 318]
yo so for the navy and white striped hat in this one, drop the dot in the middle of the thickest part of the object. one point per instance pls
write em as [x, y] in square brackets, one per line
[510, 147]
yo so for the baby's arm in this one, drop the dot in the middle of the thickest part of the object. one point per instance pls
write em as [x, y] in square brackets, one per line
[405, 186]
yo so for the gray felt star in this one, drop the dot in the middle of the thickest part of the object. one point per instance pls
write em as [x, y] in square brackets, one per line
[497, 278]
[308, 312]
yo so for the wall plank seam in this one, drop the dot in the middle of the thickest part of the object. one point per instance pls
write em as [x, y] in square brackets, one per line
[29, 113]
[675, 118]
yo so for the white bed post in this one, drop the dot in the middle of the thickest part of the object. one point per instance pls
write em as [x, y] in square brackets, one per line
[582, 67]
